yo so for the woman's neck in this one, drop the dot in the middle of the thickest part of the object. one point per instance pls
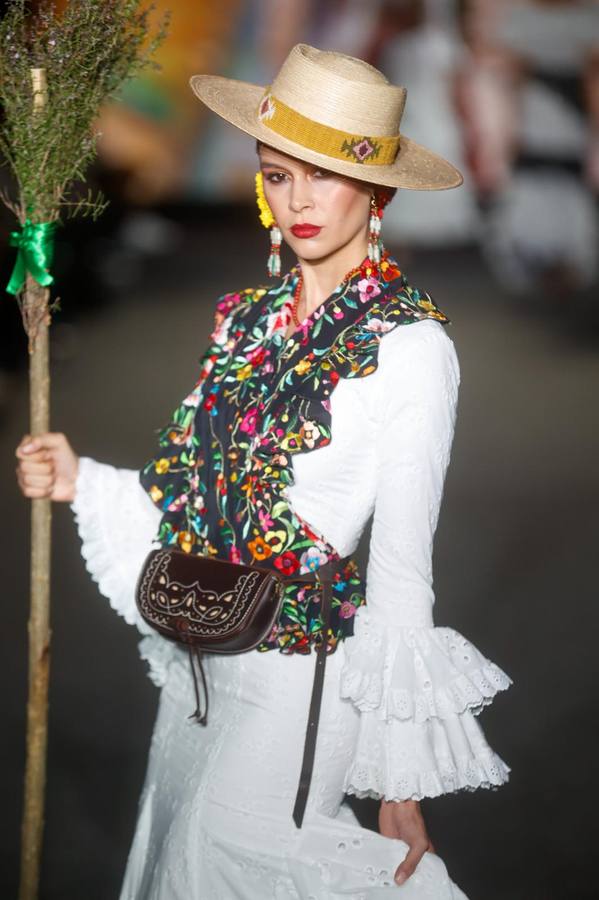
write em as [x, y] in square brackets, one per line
[321, 277]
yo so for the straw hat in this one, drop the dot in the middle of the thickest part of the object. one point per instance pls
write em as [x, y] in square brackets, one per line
[335, 111]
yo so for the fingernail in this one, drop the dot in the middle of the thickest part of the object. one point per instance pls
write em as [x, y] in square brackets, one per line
[27, 446]
[399, 879]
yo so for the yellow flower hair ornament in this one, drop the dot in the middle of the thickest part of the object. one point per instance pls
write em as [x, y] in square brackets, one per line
[266, 216]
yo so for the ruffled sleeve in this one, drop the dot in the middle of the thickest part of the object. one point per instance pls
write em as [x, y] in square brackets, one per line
[117, 523]
[418, 687]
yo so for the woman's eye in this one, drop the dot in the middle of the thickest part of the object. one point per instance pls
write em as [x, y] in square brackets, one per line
[279, 177]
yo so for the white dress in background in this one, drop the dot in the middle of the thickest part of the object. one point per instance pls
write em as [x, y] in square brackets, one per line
[547, 214]
[423, 60]
[401, 699]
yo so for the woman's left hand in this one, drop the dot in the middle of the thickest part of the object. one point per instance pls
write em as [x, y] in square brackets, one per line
[404, 820]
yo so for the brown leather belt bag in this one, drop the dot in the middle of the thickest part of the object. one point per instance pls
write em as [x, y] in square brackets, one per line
[211, 605]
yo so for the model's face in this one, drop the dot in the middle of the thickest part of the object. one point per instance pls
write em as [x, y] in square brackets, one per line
[299, 194]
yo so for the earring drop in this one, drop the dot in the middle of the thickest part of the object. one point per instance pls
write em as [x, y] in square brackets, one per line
[268, 220]
[374, 241]
[274, 260]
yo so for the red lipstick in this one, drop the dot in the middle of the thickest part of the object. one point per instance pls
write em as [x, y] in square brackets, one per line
[306, 230]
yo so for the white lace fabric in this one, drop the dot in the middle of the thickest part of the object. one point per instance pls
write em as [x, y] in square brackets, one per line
[417, 688]
[117, 523]
[215, 813]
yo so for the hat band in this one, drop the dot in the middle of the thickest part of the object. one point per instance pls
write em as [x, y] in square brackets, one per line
[362, 149]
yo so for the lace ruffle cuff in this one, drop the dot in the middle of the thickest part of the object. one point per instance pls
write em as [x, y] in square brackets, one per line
[401, 760]
[416, 672]
[418, 690]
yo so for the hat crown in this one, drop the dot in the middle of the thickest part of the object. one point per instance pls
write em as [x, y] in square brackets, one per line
[339, 91]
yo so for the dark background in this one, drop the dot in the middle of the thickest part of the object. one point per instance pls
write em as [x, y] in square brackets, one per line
[515, 550]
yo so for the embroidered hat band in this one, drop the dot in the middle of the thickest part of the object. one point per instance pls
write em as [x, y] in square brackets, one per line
[364, 149]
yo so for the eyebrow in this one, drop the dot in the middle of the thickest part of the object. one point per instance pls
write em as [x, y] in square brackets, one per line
[273, 165]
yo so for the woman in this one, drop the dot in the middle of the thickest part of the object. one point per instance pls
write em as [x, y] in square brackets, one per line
[317, 362]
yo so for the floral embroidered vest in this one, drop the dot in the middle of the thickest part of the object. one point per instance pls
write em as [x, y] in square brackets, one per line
[225, 460]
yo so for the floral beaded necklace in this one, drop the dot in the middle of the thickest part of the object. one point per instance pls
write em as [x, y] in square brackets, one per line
[226, 458]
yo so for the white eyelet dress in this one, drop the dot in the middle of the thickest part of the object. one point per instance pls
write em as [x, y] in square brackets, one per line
[399, 717]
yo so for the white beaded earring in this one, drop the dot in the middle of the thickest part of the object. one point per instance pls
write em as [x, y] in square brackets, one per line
[374, 241]
[274, 260]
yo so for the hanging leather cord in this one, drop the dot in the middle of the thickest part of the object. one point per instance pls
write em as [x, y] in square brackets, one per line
[200, 717]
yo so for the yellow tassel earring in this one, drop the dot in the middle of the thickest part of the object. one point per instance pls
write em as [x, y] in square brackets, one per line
[268, 220]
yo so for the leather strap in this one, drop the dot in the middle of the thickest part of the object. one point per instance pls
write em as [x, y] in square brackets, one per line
[325, 575]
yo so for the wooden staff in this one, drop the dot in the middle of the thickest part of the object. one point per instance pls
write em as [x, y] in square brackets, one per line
[37, 317]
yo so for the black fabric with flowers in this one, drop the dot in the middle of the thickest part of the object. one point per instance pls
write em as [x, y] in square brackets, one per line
[225, 459]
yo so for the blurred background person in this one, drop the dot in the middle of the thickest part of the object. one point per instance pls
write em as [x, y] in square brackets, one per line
[417, 43]
[260, 38]
[529, 93]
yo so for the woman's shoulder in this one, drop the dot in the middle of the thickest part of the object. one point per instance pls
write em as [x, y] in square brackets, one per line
[419, 351]
[422, 337]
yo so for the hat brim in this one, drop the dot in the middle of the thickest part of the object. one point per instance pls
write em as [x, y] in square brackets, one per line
[414, 168]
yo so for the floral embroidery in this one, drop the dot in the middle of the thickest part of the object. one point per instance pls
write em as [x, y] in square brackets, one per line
[368, 288]
[226, 458]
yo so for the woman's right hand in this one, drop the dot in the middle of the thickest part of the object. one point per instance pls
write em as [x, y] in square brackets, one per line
[48, 467]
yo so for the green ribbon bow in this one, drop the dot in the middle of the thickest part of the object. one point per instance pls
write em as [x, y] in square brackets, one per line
[36, 249]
